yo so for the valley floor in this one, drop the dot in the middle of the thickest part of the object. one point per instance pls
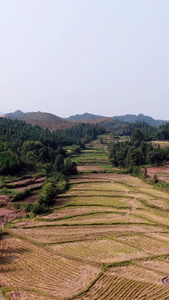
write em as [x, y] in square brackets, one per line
[107, 238]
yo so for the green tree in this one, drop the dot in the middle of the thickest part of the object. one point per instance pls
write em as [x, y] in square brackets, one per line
[69, 167]
[59, 163]
[137, 137]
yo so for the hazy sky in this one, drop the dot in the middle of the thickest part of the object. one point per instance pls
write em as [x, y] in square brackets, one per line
[107, 57]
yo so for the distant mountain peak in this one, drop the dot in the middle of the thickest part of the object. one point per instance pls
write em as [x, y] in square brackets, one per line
[85, 116]
[129, 118]
[15, 114]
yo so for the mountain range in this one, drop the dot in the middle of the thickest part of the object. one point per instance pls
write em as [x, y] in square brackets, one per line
[129, 118]
[53, 122]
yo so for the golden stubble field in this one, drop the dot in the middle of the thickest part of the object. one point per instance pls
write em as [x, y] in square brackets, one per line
[108, 240]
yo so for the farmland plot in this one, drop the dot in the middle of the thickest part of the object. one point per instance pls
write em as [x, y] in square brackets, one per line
[135, 281]
[60, 234]
[103, 251]
[30, 267]
[106, 238]
[112, 287]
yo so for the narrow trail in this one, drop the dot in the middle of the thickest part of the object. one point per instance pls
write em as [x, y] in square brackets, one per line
[133, 204]
[133, 207]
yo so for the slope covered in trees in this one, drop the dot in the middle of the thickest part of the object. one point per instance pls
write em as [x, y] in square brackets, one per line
[136, 152]
[27, 147]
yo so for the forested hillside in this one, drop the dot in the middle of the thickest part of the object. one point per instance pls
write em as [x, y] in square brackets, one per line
[27, 147]
[42, 119]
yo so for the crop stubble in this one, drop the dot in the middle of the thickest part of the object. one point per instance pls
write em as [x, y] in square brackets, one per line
[85, 235]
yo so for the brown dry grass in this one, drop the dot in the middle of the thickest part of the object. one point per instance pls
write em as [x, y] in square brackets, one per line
[59, 234]
[100, 251]
[146, 244]
[82, 243]
[146, 271]
[32, 267]
[113, 287]
[74, 211]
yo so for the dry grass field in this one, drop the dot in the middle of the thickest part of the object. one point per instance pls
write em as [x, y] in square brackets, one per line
[106, 238]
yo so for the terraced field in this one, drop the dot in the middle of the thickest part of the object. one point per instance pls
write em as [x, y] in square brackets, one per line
[106, 238]
[31, 267]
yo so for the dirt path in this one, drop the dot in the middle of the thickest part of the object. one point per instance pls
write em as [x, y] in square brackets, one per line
[133, 204]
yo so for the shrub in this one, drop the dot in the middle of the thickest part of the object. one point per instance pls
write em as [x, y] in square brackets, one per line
[28, 207]
[155, 178]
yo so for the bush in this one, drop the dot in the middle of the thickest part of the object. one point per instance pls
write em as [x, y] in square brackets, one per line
[134, 171]
[155, 178]
[28, 207]
[39, 208]
[69, 167]
[17, 205]
[48, 193]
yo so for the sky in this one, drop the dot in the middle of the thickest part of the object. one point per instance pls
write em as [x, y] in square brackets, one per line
[68, 57]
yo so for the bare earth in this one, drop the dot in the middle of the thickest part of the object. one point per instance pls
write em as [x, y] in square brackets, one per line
[157, 170]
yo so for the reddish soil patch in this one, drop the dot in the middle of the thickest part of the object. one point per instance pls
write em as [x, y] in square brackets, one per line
[4, 199]
[5, 211]
[30, 199]
[8, 215]
[15, 215]
[23, 188]
[40, 179]
[26, 182]
[157, 170]
[153, 170]
[21, 182]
